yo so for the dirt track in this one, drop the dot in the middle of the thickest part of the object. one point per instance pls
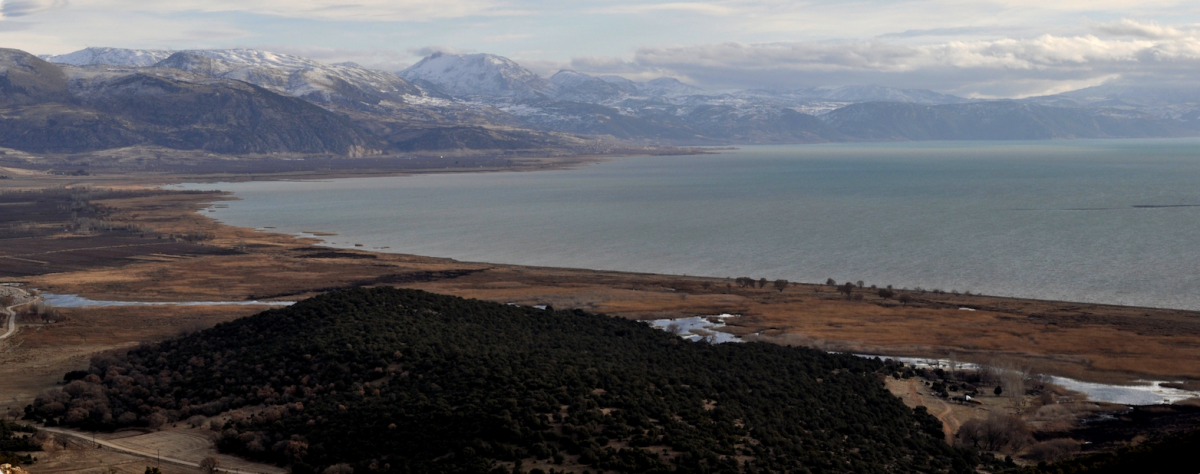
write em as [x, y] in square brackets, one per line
[184, 448]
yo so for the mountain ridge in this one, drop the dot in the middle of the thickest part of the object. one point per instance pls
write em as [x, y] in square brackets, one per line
[493, 102]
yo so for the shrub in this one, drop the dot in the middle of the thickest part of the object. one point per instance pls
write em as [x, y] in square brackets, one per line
[1053, 450]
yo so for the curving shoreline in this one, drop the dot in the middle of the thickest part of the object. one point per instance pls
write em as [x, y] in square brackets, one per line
[1090, 342]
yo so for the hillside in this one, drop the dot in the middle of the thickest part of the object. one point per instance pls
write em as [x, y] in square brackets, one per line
[390, 380]
[51, 111]
[1000, 120]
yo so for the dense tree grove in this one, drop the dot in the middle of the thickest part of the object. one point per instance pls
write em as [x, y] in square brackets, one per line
[14, 437]
[387, 380]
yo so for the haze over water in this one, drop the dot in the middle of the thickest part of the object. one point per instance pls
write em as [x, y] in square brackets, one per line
[1108, 221]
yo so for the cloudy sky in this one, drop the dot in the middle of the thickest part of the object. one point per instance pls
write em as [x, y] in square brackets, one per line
[996, 48]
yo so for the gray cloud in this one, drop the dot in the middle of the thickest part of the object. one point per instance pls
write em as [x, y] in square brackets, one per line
[1127, 27]
[958, 31]
[18, 8]
[428, 50]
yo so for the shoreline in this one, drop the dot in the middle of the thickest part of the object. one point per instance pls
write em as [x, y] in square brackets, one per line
[348, 242]
[805, 314]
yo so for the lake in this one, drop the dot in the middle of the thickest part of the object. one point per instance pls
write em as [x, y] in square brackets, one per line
[1105, 221]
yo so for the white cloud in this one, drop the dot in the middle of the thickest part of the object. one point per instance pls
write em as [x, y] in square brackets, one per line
[1004, 67]
[360, 10]
[428, 50]
[509, 37]
[705, 8]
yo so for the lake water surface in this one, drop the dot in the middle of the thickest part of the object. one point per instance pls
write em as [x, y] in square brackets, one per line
[1108, 221]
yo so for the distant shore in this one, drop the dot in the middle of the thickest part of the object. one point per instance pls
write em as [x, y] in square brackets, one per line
[1092, 342]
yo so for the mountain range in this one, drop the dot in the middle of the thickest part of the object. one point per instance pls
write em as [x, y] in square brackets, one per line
[251, 101]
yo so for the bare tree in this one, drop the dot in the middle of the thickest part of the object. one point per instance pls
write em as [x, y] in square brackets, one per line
[1012, 379]
[762, 282]
[209, 465]
[859, 283]
[995, 433]
[846, 289]
[781, 285]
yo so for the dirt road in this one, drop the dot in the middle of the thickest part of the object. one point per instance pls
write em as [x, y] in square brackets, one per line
[11, 325]
[125, 445]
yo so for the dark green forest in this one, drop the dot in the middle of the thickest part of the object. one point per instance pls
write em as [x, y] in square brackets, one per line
[389, 380]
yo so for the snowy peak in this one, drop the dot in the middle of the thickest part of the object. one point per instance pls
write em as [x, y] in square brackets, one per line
[345, 84]
[470, 75]
[110, 56]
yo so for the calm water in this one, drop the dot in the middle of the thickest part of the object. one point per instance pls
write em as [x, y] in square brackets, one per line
[1056, 220]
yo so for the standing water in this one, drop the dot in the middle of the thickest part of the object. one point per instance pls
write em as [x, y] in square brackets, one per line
[1104, 221]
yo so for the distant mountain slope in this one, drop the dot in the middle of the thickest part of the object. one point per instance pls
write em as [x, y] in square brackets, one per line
[25, 79]
[667, 87]
[479, 75]
[389, 381]
[346, 85]
[874, 93]
[495, 103]
[110, 57]
[1004, 120]
[55, 112]
[296, 76]
[579, 87]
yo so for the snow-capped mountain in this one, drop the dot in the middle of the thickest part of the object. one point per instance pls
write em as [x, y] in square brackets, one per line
[479, 76]
[668, 87]
[295, 76]
[578, 87]
[874, 93]
[1164, 101]
[661, 87]
[110, 57]
[344, 84]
